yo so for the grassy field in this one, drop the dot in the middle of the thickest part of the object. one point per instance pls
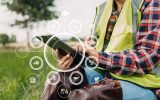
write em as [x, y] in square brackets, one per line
[13, 73]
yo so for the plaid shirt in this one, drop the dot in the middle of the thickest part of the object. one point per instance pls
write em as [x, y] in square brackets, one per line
[146, 52]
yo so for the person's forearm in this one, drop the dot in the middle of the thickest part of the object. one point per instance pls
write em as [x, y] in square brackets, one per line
[140, 60]
[134, 62]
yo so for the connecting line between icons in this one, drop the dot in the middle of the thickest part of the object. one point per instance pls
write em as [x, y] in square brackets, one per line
[63, 76]
[43, 71]
[35, 51]
[25, 90]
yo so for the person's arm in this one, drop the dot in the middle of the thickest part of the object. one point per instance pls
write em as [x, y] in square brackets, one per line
[146, 53]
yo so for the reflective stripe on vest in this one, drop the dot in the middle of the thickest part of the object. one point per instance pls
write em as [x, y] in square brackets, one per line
[123, 36]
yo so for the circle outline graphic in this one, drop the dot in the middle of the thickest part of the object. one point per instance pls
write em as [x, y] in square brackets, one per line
[92, 38]
[77, 22]
[53, 72]
[37, 81]
[60, 70]
[61, 86]
[52, 22]
[91, 68]
[27, 51]
[93, 76]
[36, 57]
[70, 78]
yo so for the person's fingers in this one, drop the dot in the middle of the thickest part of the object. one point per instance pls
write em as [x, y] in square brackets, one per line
[92, 42]
[65, 58]
[75, 48]
[67, 63]
[88, 41]
[79, 48]
[86, 50]
[60, 63]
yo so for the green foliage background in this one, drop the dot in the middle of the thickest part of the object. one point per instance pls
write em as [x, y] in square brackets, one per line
[13, 73]
[14, 70]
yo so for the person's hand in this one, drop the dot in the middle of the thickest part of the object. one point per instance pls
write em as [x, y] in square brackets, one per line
[65, 61]
[89, 41]
[89, 50]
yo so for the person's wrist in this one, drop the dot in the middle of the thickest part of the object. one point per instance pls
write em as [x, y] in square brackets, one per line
[96, 55]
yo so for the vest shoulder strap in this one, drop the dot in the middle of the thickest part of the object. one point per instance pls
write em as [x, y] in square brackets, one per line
[138, 3]
[102, 6]
[136, 6]
[99, 11]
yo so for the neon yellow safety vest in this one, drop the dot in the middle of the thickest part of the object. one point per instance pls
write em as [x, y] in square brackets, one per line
[123, 37]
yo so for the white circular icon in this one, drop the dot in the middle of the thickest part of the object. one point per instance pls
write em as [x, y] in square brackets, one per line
[91, 62]
[36, 63]
[22, 51]
[64, 91]
[76, 78]
[95, 78]
[75, 26]
[32, 80]
[53, 78]
[53, 26]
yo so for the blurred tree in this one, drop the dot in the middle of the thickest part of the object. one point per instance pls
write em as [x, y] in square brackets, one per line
[13, 39]
[39, 9]
[4, 39]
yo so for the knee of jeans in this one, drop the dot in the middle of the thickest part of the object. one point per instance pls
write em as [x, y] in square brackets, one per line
[134, 92]
[146, 95]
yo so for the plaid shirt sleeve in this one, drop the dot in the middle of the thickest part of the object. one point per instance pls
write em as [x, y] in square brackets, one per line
[145, 54]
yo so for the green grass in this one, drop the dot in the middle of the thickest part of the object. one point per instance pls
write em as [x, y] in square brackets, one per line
[13, 73]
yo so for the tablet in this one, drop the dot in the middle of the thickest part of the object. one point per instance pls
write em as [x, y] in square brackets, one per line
[56, 43]
[63, 48]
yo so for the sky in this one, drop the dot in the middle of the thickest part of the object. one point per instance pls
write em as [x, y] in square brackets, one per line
[76, 16]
